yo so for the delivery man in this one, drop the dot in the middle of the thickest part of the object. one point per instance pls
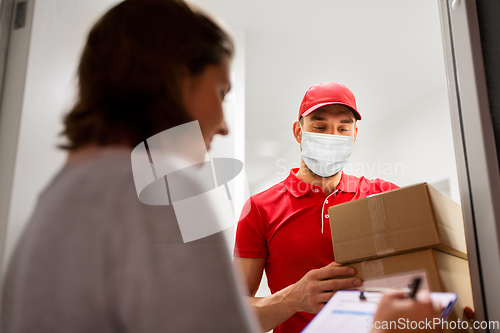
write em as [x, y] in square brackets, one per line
[287, 230]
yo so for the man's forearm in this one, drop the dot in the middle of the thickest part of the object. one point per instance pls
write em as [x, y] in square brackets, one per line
[275, 309]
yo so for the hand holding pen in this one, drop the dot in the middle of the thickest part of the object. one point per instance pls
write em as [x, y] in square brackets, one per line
[395, 305]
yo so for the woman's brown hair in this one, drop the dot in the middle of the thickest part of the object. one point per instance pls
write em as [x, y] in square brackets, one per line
[129, 72]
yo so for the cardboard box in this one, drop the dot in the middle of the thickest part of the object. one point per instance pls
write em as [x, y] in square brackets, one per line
[397, 221]
[444, 272]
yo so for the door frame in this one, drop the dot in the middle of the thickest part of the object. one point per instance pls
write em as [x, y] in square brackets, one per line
[14, 51]
[475, 149]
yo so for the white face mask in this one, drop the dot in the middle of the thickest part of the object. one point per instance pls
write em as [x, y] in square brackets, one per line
[325, 154]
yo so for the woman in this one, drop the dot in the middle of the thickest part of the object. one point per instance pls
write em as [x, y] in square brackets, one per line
[93, 257]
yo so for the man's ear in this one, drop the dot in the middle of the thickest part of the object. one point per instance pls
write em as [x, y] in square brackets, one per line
[297, 132]
[355, 132]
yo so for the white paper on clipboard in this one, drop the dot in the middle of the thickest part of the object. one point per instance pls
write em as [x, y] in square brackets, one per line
[346, 313]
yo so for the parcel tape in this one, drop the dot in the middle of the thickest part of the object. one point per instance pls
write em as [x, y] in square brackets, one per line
[380, 228]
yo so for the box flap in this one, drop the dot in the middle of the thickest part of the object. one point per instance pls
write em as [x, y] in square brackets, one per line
[449, 219]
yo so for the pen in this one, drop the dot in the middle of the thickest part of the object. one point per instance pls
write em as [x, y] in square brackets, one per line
[414, 287]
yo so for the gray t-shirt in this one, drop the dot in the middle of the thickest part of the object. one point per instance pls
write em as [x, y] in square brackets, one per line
[95, 259]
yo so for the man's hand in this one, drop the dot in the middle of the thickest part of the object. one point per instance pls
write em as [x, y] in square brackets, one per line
[395, 305]
[311, 293]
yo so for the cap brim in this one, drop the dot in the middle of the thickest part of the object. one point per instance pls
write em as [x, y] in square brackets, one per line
[357, 116]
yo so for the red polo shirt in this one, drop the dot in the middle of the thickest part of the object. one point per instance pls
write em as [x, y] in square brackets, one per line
[288, 225]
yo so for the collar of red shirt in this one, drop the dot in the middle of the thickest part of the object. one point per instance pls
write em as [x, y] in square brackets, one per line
[297, 187]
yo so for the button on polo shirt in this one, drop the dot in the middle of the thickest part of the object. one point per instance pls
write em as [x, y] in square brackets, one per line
[288, 224]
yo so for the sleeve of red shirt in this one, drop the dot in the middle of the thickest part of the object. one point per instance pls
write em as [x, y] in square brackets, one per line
[251, 234]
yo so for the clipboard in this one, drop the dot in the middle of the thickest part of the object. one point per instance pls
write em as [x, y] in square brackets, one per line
[346, 313]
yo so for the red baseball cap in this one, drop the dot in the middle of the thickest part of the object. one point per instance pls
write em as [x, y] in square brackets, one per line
[327, 93]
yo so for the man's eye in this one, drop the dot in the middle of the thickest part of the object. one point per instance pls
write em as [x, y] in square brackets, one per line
[319, 128]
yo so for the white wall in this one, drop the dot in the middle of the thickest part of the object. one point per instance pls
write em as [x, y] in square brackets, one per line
[409, 146]
[413, 145]
[388, 52]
